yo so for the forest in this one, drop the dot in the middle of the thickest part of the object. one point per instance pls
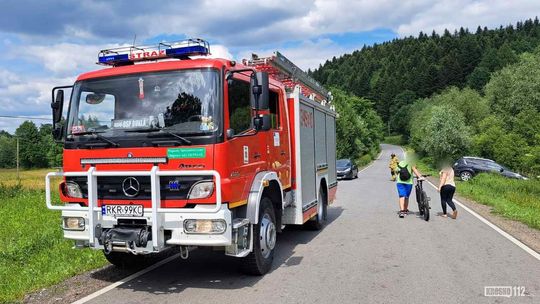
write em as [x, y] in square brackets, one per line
[37, 148]
[462, 93]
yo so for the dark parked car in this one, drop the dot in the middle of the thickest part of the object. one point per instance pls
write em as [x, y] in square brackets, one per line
[346, 169]
[468, 166]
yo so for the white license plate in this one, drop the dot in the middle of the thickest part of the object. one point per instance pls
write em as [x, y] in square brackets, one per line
[122, 210]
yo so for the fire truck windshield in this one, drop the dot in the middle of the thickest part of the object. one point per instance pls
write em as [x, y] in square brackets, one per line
[183, 102]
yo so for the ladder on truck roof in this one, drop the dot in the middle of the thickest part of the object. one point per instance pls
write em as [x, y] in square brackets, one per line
[282, 69]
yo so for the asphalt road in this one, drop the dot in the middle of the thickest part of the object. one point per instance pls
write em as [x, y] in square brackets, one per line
[365, 254]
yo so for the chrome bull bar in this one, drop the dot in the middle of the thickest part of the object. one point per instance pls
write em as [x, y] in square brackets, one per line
[154, 174]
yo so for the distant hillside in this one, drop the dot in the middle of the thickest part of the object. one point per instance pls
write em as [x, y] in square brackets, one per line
[398, 72]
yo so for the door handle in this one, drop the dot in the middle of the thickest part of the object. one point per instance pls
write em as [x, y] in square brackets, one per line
[256, 155]
[282, 153]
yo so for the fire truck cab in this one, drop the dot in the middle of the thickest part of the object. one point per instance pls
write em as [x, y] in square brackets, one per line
[167, 147]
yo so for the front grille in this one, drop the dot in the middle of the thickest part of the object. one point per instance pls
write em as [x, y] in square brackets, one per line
[111, 187]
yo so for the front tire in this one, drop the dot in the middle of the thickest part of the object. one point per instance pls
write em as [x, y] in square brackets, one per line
[259, 261]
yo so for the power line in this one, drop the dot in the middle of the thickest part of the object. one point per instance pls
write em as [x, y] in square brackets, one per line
[25, 117]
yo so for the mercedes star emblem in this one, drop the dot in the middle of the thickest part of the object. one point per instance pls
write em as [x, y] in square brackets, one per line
[131, 186]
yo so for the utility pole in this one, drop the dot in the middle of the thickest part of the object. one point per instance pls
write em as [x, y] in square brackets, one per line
[18, 175]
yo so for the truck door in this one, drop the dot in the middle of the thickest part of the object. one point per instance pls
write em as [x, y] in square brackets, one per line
[278, 138]
[247, 153]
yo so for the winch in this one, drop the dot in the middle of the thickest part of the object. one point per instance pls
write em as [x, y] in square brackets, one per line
[124, 239]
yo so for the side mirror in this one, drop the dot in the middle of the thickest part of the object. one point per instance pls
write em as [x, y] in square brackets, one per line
[260, 91]
[262, 123]
[57, 106]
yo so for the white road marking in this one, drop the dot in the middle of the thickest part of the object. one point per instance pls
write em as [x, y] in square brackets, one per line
[126, 279]
[512, 239]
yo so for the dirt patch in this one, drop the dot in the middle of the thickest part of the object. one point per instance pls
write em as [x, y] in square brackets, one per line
[86, 283]
[78, 286]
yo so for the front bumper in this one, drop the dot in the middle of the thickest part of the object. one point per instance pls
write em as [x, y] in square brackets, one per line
[347, 174]
[170, 230]
[165, 224]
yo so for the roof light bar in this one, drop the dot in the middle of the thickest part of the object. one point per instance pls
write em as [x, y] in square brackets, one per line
[131, 54]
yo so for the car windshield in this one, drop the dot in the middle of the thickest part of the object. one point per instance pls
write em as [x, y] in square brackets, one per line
[184, 102]
[342, 162]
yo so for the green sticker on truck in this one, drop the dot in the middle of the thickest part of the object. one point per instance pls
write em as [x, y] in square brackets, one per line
[186, 153]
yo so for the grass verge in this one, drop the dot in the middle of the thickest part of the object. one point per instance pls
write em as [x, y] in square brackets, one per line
[33, 253]
[514, 199]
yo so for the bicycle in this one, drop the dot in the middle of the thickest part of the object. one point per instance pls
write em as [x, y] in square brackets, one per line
[421, 198]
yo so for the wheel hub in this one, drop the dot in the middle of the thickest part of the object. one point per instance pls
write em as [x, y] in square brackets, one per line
[267, 235]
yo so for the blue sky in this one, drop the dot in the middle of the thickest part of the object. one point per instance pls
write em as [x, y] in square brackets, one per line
[48, 43]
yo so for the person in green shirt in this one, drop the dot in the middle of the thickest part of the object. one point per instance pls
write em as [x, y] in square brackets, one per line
[404, 184]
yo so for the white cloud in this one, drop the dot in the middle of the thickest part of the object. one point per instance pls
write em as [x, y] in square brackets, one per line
[27, 95]
[220, 51]
[65, 59]
[7, 78]
[465, 13]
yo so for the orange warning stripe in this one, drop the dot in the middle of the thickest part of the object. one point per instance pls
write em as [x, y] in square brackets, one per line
[237, 204]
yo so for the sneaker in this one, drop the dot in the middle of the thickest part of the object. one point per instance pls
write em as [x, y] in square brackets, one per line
[454, 214]
[401, 214]
[406, 211]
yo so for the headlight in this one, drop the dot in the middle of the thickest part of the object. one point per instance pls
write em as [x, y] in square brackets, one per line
[205, 226]
[73, 189]
[73, 223]
[201, 190]
[347, 170]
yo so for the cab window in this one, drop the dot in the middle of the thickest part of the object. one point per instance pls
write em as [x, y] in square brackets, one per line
[273, 104]
[239, 106]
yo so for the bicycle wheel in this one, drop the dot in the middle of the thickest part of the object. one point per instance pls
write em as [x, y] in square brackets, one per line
[426, 206]
[419, 200]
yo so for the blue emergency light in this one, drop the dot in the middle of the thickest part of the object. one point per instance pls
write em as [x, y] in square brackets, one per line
[131, 54]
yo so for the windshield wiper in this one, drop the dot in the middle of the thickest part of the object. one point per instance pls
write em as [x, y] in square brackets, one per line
[98, 136]
[162, 131]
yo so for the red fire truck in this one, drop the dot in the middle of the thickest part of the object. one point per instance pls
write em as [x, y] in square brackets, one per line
[168, 147]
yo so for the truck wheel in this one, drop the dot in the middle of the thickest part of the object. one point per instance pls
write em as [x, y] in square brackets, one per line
[317, 222]
[126, 260]
[259, 261]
